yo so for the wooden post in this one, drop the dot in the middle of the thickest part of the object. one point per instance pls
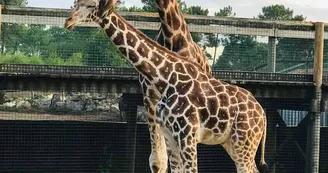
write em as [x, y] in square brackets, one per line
[313, 138]
[272, 53]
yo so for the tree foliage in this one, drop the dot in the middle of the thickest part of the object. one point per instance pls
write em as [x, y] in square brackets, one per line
[246, 53]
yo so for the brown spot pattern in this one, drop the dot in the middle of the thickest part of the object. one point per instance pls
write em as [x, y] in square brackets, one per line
[224, 100]
[132, 40]
[119, 39]
[179, 68]
[183, 87]
[212, 105]
[180, 106]
[166, 70]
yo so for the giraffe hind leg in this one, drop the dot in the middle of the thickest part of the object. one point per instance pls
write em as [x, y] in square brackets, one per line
[242, 146]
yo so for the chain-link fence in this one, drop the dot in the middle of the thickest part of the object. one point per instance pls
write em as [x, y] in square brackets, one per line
[61, 92]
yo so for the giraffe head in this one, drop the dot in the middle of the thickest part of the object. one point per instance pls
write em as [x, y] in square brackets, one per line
[85, 11]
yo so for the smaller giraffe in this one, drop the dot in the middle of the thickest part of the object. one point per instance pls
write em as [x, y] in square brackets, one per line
[193, 106]
[174, 33]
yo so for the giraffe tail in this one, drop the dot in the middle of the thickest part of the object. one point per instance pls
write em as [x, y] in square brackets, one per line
[263, 166]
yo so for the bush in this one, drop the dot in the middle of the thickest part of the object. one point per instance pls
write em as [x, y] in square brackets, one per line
[75, 60]
[20, 58]
[53, 59]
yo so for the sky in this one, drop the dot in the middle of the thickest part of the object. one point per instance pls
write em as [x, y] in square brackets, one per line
[314, 10]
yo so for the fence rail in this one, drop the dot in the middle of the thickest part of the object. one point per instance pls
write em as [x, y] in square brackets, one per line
[150, 21]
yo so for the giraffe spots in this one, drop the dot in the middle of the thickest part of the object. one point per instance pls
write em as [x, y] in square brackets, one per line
[243, 126]
[133, 57]
[178, 41]
[202, 78]
[211, 123]
[250, 105]
[132, 40]
[183, 77]
[119, 39]
[244, 91]
[223, 126]
[143, 50]
[192, 70]
[224, 100]
[241, 97]
[241, 117]
[179, 68]
[161, 85]
[191, 115]
[166, 70]
[182, 122]
[177, 24]
[173, 79]
[231, 90]
[203, 114]
[212, 105]
[169, 19]
[187, 130]
[184, 53]
[171, 100]
[233, 100]
[114, 20]
[223, 114]
[242, 107]
[156, 59]
[233, 111]
[170, 91]
[123, 51]
[242, 136]
[146, 69]
[251, 122]
[216, 130]
[183, 87]
[176, 127]
[171, 119]
[121, 25]
[251, 98]
[104, 22]
[197, 98]
[180, 106]
[258, 108]
[207, 89]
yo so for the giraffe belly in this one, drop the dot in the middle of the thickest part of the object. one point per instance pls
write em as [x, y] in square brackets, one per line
[213, 137]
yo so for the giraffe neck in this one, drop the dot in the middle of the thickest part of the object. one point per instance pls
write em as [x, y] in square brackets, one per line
[151, 60]
[175, 34]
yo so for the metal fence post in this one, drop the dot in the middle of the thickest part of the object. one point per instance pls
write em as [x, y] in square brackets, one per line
[313, 143]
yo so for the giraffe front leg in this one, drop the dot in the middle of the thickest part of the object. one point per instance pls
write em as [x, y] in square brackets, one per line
[158, 158]
[188, 150]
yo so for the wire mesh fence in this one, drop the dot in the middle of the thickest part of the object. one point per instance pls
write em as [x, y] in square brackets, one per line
[63, 112]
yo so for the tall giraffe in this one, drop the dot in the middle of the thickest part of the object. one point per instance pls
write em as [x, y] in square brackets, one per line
[193, 106]
[174, 35]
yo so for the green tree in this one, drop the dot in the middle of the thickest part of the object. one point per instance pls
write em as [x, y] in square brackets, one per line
[151, 6]
[290, 51]
[240, 52]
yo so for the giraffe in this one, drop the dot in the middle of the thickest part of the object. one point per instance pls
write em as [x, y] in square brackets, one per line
[193, 107]
[177, 39]
[174, 35]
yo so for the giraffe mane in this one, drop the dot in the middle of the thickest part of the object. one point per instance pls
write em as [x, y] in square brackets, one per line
[157, 45]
